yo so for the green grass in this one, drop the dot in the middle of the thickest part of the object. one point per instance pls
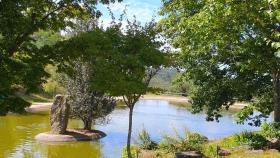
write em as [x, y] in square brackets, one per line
[244, 144]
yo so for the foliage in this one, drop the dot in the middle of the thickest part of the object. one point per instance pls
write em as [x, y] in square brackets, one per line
[163, 80]
[22, 56]
[253, 139]
[230, 50]
[190, 141]
[52, 85]
[8, 103]
[125, 60]
[135, 152]
[85, 103]
[210, 150]
[145, 140]
[271, 130]
[181, 85]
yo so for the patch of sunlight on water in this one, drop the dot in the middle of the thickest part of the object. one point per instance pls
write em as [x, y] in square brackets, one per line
[158, 117]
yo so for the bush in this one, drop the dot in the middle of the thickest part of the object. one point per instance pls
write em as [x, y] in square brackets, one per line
[195, 140]
[145, 141]
[271, 130]
[253, 139]
[135, 151]
[210, 150]
[190, 141]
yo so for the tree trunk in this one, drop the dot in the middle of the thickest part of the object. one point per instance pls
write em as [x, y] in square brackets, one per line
[87, 124]
[276, 96]
[129, 132]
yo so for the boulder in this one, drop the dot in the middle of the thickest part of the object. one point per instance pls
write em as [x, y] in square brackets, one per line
[274, 143]
[188, 154]
[59, 114]
[223, 152]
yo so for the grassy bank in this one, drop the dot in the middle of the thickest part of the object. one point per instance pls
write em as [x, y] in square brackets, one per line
[261, 144]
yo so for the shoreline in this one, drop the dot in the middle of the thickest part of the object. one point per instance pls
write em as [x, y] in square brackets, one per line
[45, 106]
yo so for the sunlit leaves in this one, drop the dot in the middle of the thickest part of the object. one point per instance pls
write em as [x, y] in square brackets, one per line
[229, 49]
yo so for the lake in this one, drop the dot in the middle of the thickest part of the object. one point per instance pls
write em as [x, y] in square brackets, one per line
[157, 117]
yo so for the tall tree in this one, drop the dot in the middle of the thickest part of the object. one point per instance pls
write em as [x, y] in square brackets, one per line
[136, 60]
[230, 49]
[124, 60]
[21, 62]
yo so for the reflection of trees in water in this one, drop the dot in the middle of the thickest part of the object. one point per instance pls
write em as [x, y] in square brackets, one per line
[74, 150]
[17, 131]
[17, 134]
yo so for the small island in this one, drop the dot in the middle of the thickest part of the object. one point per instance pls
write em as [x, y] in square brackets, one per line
[59, 116]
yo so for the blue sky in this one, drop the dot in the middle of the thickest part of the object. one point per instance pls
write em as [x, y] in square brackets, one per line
[144, 10]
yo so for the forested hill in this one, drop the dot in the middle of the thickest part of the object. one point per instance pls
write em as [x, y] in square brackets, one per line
[164, 78]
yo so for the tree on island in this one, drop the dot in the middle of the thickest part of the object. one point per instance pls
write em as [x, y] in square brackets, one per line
[85, 103]
[230, 51]
[21, 61]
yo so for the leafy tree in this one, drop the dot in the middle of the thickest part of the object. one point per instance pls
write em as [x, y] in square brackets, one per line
[181, 85]
[125, 60]
[230, 50]
[85, 103]
[132, 67]
[52, 85]
[22, 62]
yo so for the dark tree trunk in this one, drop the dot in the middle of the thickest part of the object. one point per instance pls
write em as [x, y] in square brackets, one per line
[276, 96]
[129, 131]
[87, 124]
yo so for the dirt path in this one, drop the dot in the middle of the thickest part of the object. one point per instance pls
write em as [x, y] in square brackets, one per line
[38, 106]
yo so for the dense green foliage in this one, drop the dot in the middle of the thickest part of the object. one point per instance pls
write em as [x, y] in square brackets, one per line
[22, 57]
[253, 139]
[124, 60]
[237, 144]
[52, 85]
[256, 140]
[271, 130]
[190, 141]
[230, 50]
[145, 141]
[135, 152]
[181, 85]
[169, 145]
[87, 104]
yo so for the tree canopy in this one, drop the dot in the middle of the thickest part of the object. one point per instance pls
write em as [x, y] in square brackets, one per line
[123, 60]
[22, 59]
[230, 50]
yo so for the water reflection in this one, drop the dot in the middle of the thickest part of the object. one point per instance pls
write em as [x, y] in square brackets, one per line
[158, 117]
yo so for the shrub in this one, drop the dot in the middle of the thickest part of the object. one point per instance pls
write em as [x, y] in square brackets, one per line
[253, 139]
[190, 141]
[210, 150]
[195, 140]
[135, 151]
[145, 140]
[271, 130]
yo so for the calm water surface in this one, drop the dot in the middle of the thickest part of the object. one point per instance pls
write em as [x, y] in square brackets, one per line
[158, 117]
